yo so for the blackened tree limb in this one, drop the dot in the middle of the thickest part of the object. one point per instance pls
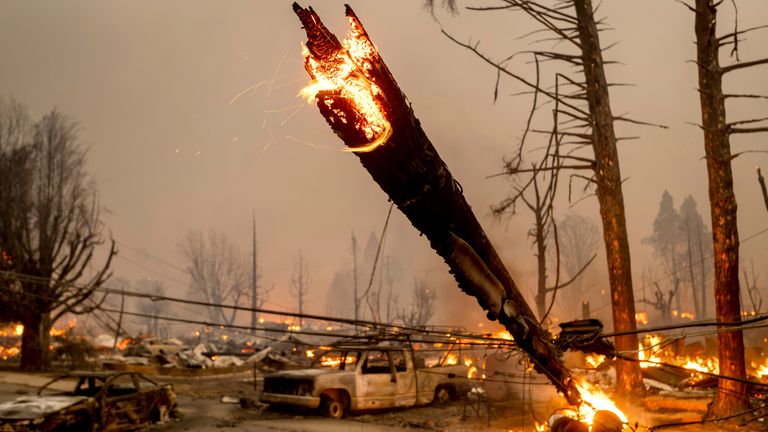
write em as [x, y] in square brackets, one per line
[409, 169]
[761, 180]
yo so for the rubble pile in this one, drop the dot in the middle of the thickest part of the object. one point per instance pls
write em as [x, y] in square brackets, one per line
[165, 353]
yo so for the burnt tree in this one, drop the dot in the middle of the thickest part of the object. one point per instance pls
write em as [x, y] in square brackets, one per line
[299, 285]
[50, 228]
[588, 122]
[217, 273]
[405, 164]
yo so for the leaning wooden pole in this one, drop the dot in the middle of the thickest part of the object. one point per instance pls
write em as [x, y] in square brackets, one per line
[361, 101]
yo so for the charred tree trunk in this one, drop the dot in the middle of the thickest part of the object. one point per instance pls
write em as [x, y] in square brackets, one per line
[731, 395]
[35, 341]
[408, 168]
[610, 197]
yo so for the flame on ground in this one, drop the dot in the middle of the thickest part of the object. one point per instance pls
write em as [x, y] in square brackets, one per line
[648, 354]
[595, 400]
[710, 365]
[348, 75]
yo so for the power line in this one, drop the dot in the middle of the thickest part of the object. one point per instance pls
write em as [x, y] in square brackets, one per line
[685, 267]
[372, 324]
[707, 323]
[380, 337]
[140, 252]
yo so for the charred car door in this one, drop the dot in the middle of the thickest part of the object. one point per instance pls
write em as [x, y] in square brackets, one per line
[375, 381]
[123, 406]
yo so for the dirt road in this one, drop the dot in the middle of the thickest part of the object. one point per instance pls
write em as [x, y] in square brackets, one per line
[201, 409]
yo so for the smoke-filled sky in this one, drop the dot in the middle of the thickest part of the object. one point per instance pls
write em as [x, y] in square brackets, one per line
[154, 85]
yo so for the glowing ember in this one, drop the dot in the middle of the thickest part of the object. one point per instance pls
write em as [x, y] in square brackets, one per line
[347, 74]
[595, 400]
[310, 353]
[18, 330]
[594, 360]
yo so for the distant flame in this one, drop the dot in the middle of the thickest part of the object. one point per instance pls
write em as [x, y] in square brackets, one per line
[347, 74]
[123, 344]
[762, 370]
[333, 361]
[642, 317]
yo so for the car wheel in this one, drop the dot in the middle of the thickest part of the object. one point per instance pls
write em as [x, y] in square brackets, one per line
[443, 395]
[333, 406]
[160, 414]
[82, 422]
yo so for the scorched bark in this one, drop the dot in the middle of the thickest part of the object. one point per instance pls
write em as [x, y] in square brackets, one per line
[409, 169]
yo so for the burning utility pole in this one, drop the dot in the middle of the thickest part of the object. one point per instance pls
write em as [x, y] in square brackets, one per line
[361, 101]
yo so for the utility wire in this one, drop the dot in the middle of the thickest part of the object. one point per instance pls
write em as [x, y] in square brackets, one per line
[372, 324]
[707, 323]
[685, 267]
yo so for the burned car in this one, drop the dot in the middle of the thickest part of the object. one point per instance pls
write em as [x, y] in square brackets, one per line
[362, 378]
[99, 401]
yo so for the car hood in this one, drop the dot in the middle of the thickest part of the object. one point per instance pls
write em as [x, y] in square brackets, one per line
[28, 407]
[301, 373]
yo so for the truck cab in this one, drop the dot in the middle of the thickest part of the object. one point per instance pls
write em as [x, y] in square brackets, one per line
[363, 378]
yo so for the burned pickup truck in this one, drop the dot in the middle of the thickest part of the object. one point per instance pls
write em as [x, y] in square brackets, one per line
[361, 378]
